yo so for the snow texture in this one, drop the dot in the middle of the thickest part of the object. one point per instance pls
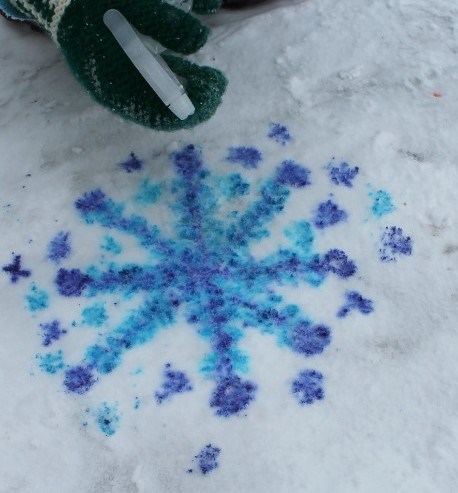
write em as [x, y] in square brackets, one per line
[335, 97]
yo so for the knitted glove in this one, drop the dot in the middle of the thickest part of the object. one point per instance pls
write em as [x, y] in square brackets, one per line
[108, 75]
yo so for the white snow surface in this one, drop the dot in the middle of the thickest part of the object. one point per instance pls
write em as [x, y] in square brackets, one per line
[371, 82]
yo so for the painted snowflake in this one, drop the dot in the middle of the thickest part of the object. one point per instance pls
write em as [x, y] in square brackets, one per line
[208, 268]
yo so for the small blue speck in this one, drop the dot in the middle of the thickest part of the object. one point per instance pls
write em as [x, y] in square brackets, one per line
[342, 174]
[393, 243]
[14, 269]
[51, 331]
[248, 157]
[207, 458]
[37, 299]
[108, 419]
[79, 379]
[132, 164]
[382, 203]
[307, 387]
[111, 245]
[51, 362]
[354, 301]
[59, 247]
[328, 214]
[279, 133]
[174, 382]
[292, 174]
[95, 315]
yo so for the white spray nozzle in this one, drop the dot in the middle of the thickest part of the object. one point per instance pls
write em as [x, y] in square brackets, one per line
[150, 64]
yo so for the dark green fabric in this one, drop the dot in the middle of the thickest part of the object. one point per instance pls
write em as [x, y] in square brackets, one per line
[206, 6]
[109, 76]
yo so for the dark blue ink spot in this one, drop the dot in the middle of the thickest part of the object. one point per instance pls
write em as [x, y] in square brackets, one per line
[71, 282]
[14, 269]
[292, 174]
[132, 164]
[51, 362]
[307, 387]
[188, 161]
[59, 247]
[91, 201]
[279, 133]
[342, 174]
[393, 243]
[328, 214]
[51, 331]
[174, 382]
[334, 261]
[79, 379]
[232, 395]
[248, 157]
[108, 419]
[310, 339]
[37, 299]
[208, 458]
[354, 301]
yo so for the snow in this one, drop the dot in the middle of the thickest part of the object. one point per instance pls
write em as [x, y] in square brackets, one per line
[369, 83]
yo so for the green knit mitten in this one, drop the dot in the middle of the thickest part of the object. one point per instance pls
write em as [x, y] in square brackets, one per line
[109, 76]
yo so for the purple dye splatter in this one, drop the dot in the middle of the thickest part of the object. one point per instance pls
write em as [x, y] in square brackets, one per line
[342, 174]
[207, 458]
[174, 382]
[292, 174]
[307, 387]
[51, 331]
[15, 271]
[248, 157]
[393, 243]
[79, 379]
[59, 247]
[132, 164]
[279, 133]
[354, 301]
[328, 214]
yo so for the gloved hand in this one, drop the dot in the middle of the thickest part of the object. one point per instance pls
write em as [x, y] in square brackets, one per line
[109, 76]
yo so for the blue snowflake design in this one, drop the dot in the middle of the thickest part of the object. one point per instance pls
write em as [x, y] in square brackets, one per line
[206, 270]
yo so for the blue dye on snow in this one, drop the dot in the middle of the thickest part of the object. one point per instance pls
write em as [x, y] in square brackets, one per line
[59, 247]
[132, 164]
[51, 332]
[208, 272]
[310, 339]
[308, 387]
[207, 458]
[233, 186]
[95, 315]
[248, 157]
[342, 174]
[354, 301]
[382, 203]
[292, 174]
[175, 382]
[37, 299]
[148, 193]
[71, 282]
[15, 270]
[328, 214]
[51, 362]
[111, 245]
[394, 243]
[279, 133]
[79, 379]
[107, 418]
[136, 403]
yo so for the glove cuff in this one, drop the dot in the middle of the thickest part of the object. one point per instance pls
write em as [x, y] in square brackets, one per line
[46, 13]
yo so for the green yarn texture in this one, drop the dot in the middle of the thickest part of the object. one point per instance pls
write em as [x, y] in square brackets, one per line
[109, 76]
